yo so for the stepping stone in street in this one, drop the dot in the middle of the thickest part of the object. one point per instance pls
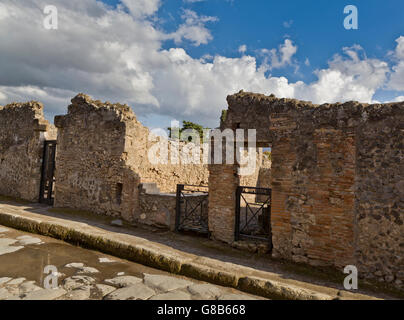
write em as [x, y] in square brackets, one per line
[5, 293]
[45, 294]
[105, 260]
[123, 281]
[205, 291]
[104, 290]
[3, 230]
[88, 270]
[81, 293]
[165, 283]
[4, 280]
[173, 295]
[28, 287]
[75, 282]
[83, 269]
[77, 265]
[138, 291]
[9, 249]
[15, 282]
[26, 240]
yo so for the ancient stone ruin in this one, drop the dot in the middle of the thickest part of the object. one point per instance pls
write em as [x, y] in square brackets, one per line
[332, 193]
[337, 182]
[23, 130]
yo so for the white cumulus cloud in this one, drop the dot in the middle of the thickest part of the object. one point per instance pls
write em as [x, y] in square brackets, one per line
[193, 29]
[397, 78]
[278, 58]
[118, 55]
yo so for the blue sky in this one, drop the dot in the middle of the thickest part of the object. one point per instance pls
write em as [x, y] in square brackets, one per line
[178, 59]
[316, 26]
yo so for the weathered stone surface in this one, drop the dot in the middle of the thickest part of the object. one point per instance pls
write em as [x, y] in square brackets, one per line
[165, 283]
[5, 293]
[26, 240]
[105, 260]
[9, 249]
[137, 291]
[77, 265]
[4, 280]
[81, 293]
[336, 181]
[113, 160]
[82, 268]
[123, 281]
[173, 295]
[16, 282]
[28, 286]
[3, 230]
[88, 270]
[75, 282]
[104, 289]
[204, 291]
[23, 130]
[45, 294]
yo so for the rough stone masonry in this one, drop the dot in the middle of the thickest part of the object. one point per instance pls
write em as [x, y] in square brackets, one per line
[23, 129]
[102, 163]
[337, 174]
[337, 182]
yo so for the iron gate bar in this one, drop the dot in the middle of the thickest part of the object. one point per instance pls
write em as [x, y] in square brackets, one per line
[239, 196]
[47, 172]
[254, 213]
[189, 213]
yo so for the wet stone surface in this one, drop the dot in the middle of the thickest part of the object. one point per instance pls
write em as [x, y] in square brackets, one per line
[89, 275]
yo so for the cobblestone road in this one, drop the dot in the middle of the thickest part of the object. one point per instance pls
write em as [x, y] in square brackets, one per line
[27, 262]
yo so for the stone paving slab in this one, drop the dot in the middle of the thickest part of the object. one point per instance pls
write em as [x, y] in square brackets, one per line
[148, 283]
[128, 245]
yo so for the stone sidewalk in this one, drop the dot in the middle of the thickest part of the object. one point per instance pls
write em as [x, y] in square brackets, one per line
[197, 258]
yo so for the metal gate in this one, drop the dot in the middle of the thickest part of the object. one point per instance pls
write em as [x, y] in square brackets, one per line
[46, 193]
[253, 214]
[192, 209]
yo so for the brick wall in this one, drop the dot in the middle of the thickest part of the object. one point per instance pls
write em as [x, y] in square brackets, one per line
[337, 180]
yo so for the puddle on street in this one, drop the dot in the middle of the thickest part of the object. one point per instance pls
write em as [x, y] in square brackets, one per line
[30, 261]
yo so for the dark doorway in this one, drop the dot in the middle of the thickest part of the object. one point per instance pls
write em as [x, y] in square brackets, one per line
[46, 194]
[253, 214]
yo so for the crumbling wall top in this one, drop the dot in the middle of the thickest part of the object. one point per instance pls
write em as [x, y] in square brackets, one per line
[83, 104]
[21, 114]
[34, 106]
[251, 106]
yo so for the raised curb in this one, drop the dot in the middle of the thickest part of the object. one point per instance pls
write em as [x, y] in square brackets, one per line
[175, 261]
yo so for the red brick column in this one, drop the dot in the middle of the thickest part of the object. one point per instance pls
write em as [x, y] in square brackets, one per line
[223, 182]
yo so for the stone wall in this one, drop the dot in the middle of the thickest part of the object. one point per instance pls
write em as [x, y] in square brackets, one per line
[23, 130]
[102, 159]
[337, 177]
[158, 210]
[379, 196]
[91, 169]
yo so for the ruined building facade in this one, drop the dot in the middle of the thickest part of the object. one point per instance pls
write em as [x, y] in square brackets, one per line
[23, 130]
[337, 174]
[337, 182]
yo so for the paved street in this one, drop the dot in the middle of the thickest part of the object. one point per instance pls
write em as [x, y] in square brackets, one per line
[27, 262]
